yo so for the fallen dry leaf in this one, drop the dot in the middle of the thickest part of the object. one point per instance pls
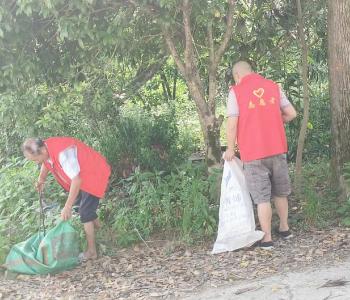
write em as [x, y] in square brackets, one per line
[167, 272]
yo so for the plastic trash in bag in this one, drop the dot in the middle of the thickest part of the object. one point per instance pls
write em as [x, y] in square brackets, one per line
[55, 251]
[236, 216]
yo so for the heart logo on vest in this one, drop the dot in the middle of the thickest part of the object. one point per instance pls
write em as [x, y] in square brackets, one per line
[259, 92]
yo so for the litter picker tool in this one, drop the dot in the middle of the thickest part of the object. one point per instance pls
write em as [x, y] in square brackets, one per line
[42, 214]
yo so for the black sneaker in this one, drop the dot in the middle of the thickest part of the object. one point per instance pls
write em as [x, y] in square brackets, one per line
[265, 245]
[286, 235]
[262, 245]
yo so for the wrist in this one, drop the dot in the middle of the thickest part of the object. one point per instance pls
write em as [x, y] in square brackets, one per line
[68, 206]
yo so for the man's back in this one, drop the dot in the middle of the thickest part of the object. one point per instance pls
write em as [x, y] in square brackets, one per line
[260, 127]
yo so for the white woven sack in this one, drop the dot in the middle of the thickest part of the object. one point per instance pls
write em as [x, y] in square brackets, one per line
[236, 217]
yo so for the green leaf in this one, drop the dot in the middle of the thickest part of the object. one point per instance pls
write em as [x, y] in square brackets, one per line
[28, 10]
[346, 221]
[81, 44]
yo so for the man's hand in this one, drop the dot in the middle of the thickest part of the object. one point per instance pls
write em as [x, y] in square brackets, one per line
[229, 154]
[39, 185]
[66, 213]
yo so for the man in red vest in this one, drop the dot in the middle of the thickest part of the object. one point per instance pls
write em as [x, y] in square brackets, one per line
[257, 109]
[81, 171]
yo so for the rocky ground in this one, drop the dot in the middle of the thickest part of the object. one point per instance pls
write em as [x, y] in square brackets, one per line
[172, 271]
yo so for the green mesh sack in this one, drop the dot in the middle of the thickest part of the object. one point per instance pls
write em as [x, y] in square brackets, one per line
[58, 250]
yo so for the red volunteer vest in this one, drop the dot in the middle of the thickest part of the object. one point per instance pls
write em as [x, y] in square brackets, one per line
[260, 130]
[94, 170]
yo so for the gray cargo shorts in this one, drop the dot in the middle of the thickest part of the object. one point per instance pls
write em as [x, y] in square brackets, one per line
[267, 178]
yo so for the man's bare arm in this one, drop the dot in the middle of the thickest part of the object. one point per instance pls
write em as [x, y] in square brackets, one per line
[288, 113]
[42, 177]
[231, 135]
[72, 196]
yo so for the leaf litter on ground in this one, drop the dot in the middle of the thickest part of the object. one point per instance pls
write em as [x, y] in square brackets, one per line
[153, 272]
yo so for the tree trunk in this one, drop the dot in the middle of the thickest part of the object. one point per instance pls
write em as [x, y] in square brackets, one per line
[303, 129]
[212, 141]
[339, 77]
[210, 125]
[188, 67]
[186, 57]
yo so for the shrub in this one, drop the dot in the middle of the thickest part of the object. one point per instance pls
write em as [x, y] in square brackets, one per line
[181, 202]
[317, 206]
[145, 140]
[178, 202]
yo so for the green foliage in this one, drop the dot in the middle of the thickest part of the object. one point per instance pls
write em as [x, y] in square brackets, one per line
[313, 207]
[344, 209]
[182, 202]
[82, 68]
[144, 139]
[179, 202]
[346, 171]
[318, 206]
[318, 140]
[266, 35]
[63, 36]
[79, 58]
[127, 135]
[19, 202]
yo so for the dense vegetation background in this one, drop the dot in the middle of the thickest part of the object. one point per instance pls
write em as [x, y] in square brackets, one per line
[103, 71]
